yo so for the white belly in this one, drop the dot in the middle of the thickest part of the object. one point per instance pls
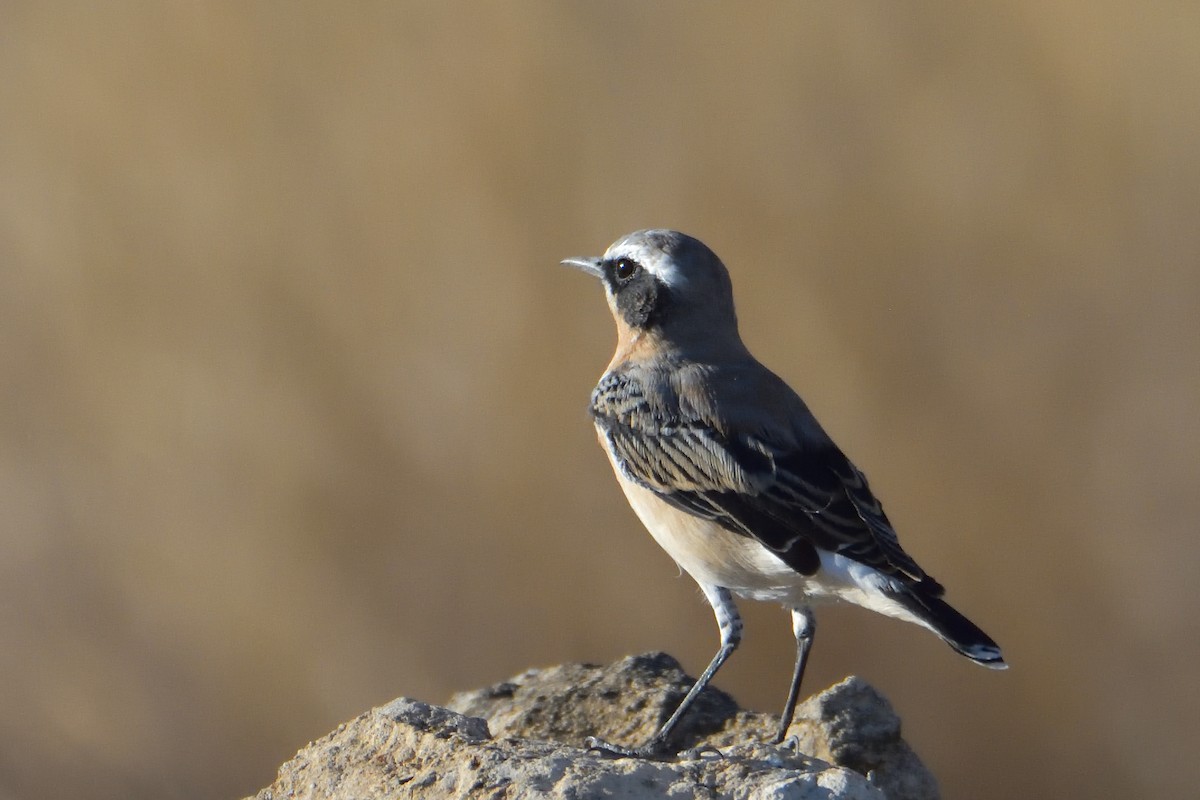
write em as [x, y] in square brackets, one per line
[714, 556]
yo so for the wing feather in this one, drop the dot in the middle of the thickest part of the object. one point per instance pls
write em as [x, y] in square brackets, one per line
[794, 492]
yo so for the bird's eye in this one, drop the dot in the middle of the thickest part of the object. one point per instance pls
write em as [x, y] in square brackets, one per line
[625, 269]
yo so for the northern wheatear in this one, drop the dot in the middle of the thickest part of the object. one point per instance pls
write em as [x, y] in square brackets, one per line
[731, 473]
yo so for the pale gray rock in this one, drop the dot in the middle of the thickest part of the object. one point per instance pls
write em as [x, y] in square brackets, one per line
[625, 703]
[523, 738]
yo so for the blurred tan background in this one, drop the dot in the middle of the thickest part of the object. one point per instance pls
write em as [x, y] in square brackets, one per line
[292, 389]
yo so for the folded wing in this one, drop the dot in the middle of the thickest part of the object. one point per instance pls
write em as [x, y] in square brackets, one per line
[794, 493]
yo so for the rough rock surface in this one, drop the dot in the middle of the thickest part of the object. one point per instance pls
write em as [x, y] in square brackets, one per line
[522, 738]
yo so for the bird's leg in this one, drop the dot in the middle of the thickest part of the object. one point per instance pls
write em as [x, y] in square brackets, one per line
[804, 625]
[730, 624]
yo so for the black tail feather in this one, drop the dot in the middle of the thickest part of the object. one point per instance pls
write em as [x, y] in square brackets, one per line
[955, 629]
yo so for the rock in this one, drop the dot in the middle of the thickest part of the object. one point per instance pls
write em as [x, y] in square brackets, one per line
[522, 738]
[625, 702]
[853, 725]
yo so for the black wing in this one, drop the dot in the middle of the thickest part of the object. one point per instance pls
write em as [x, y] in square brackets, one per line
[793, 496]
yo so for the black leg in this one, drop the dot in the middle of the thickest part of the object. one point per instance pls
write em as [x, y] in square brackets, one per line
[803, 625]
[731, 635]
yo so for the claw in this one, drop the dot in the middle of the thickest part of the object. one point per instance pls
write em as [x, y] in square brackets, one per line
[792, 743]
[697, 753]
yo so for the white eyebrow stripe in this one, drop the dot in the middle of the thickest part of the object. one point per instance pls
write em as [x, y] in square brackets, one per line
[667, 272]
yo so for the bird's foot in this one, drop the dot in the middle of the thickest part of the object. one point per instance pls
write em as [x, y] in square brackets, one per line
[792, 743]
[653, 750]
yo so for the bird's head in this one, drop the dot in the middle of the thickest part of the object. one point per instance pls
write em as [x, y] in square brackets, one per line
[667, 284]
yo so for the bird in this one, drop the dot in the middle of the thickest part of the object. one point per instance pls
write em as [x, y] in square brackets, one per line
[732, 475]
